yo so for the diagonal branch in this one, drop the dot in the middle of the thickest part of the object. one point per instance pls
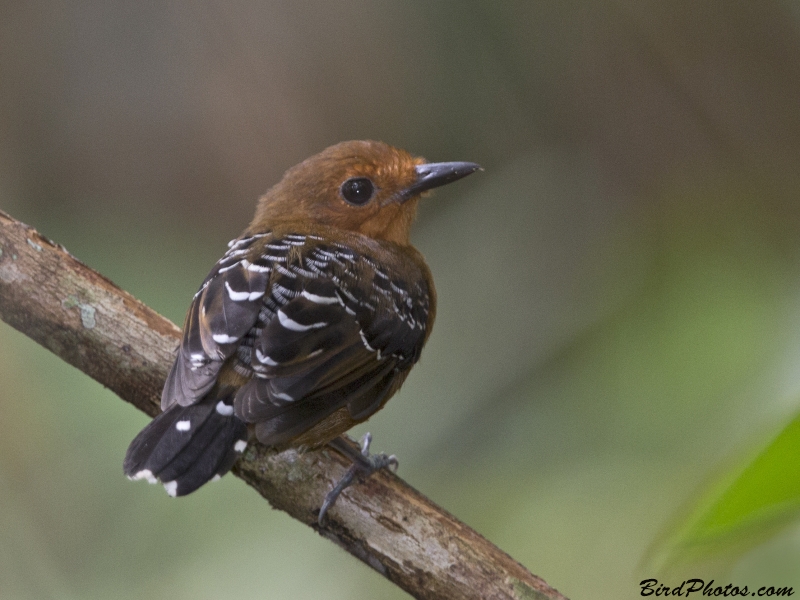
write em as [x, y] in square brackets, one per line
[105, 332]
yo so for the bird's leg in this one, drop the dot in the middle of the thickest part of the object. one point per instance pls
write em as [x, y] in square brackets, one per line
[364, 464]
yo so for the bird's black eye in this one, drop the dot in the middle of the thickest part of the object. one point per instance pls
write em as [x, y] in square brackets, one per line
[357, 190]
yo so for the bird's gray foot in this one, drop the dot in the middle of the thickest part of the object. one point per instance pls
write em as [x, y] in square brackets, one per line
[364, 465]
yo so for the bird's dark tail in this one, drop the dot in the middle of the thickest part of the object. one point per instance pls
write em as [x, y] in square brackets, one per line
[186, 446]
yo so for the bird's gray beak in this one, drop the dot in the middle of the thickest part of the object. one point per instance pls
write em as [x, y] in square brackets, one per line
[432, 175]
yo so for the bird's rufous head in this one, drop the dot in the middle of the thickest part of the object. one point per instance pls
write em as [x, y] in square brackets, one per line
[362, 186]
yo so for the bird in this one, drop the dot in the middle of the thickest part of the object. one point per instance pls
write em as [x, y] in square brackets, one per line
[306, 326]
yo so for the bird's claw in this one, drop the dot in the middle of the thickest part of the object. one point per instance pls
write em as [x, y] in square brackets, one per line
[376, 461]
[364, 465]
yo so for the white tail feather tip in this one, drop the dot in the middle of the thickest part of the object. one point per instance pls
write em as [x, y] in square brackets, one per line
[145, 474]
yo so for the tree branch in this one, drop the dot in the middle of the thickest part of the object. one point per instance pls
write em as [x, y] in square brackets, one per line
[105, 332]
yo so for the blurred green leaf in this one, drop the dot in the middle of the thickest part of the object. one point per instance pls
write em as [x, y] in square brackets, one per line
[743, 506]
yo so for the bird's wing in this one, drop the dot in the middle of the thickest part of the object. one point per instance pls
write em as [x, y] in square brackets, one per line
[336, 330]
[224, 310]
[319, 324]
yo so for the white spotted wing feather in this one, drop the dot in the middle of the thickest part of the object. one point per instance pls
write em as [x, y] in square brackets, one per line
[318, 325]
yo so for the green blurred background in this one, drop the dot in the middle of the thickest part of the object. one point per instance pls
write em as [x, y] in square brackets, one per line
[619, 291]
